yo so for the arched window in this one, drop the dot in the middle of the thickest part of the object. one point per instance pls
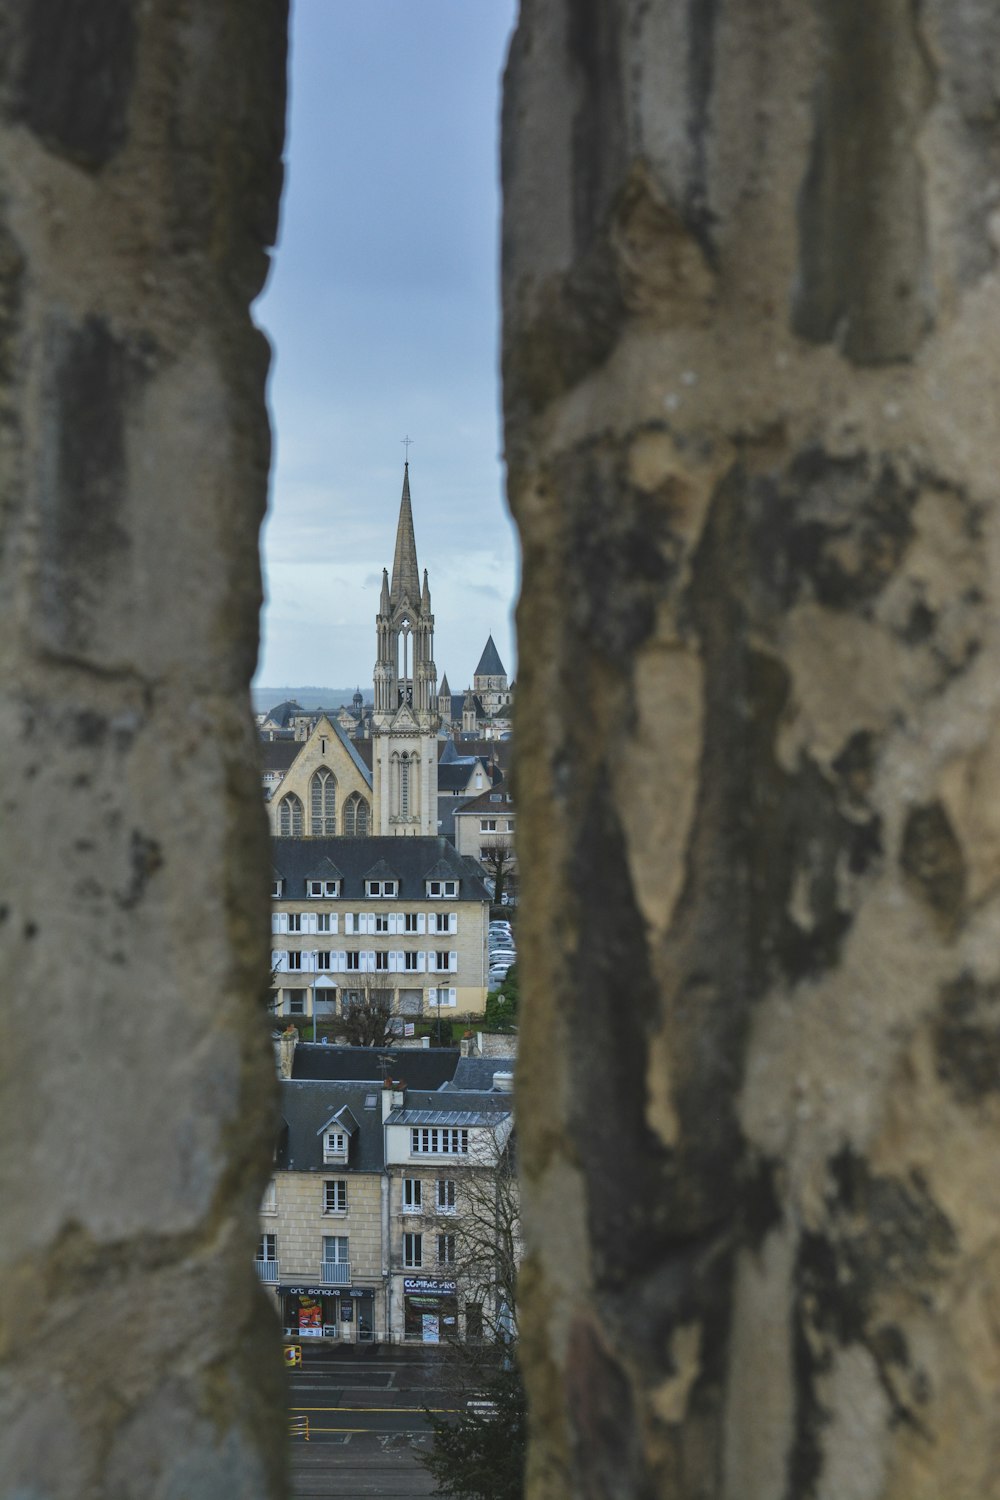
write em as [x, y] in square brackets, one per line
[323, 802]
[355, 817]
[291, 823]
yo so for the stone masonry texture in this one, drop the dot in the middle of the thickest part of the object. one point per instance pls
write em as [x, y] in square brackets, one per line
[140, 168]
[751, 385]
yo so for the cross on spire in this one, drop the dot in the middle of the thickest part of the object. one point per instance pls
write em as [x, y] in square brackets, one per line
[406, 444]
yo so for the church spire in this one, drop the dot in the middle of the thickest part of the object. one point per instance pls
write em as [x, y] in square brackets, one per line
[405, 573]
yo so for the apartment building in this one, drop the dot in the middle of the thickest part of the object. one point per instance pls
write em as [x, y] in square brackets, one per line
[400, 918]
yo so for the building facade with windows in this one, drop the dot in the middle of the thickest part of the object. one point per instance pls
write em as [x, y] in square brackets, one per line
[404, 920]
[322, 1216]
[361, 1223]
[437, 1146]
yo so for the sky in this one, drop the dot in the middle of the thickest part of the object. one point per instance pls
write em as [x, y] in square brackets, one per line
[382, 308]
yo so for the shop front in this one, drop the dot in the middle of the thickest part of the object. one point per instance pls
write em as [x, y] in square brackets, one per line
[322, 1312]
[430, 1310]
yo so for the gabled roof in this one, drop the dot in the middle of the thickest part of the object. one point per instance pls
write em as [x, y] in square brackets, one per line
[342, 1119]
[440, 871]
[380, 870]
[490, 664]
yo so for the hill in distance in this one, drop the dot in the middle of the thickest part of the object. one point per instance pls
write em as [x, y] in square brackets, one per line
[309, 697]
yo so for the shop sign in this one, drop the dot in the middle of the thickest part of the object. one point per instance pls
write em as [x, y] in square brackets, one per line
[307, 1291]
[425, 1284]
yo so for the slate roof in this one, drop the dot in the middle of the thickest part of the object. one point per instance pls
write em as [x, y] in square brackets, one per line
[305, 1107]
[423, 1067]
[407, 860]
[485, 803]
[351, 749]
[282, 713]
[449, 1107]
[277, 755]
[475, 1074]
[324, 869]
[490, 664]
[453, 776]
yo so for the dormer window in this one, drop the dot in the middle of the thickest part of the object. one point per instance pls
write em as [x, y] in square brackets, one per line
[276, 889]
[381, 888]
[335, 1145]
[324, 889]
[442, 890]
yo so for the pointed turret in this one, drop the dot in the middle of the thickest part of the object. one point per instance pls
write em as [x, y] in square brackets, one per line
[444, 691]
[405, 573]
[490, 664]
[425, 597]
[383, 604]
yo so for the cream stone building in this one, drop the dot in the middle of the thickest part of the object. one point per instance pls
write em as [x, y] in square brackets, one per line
[406, 917]
[321, 1237]
[325, 791]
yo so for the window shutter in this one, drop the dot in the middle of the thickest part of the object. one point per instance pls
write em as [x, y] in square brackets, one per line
[309, 962]
[393, 963]
[348, 923]
[370, 962]
[279, 921]
[334, 919]
[452, 997]
[453, 921]
[432, 996]
[339, 961]
[453, 960]
[370, 922]
[279, 961]
[421, 922]
[421, 963]
[309, 923]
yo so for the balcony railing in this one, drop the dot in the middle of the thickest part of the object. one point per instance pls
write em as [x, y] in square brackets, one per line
[267, 1270]
[335, 1272]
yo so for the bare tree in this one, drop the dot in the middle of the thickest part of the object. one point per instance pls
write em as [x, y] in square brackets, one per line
[367, 1019]
[497, 857]
[480, 1453]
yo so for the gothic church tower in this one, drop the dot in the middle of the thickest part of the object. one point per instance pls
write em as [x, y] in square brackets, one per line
[405, 720]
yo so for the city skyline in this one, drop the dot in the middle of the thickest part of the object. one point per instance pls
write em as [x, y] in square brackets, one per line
[382, 308]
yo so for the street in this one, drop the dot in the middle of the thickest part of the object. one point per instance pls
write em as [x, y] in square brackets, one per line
[364, 1405]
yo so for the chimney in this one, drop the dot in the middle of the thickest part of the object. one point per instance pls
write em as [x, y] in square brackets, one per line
[393, 1097]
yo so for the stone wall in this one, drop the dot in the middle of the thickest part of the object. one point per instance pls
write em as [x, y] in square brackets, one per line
[139, 178]
[751, 385]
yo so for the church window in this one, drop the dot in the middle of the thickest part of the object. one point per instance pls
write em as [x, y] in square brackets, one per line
[404, 786]
[355, 817]
[291, 823]
[323, 791]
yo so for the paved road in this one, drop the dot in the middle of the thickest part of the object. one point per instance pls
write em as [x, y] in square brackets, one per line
[366, 1422]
